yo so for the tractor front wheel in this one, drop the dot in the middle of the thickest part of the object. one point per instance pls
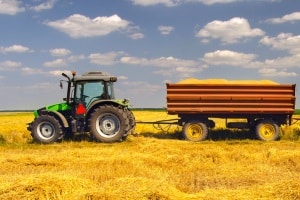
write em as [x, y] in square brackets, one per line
[108, 124]
[46, 129]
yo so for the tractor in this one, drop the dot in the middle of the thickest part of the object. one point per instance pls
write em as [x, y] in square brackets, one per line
[89, 107]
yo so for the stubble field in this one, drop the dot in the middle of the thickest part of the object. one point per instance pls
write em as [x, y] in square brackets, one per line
[150, 164]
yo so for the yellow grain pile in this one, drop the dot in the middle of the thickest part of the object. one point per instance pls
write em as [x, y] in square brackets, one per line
[224, 81]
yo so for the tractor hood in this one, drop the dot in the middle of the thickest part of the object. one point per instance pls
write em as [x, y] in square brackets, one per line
[55, 107]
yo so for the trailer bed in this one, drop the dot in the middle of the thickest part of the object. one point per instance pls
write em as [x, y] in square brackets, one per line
[230, 99]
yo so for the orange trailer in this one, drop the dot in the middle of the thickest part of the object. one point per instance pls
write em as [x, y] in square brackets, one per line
[264, 105]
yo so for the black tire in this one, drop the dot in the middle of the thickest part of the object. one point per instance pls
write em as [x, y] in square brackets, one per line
[195, 131]
[132, 124]
[46, 129]
[267, 130]
[108, 124]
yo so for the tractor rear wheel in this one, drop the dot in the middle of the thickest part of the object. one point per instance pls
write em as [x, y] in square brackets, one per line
[132, 124]
[46, 129]
[195, 131]
[108, 124]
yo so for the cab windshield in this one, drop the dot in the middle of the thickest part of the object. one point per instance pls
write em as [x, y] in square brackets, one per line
[87, 92]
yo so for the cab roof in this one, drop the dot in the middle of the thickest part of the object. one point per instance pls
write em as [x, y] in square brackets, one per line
[96, 76]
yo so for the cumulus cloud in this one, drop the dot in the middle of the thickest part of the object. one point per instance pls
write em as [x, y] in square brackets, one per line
[271, 72]
[31, 71]
[169, 66]
[15, 49]
[56, 63]
[9, 65]
[58, 52]
[211, 2]
[165, 30]
[286, 18]
[44, 6]
[11, 7]
[109, 58]
[172, 3]
[62, 62]
[283, 41]
[230, 31]
[168, 3]
[287, 62]
[79, 26]
[226, 57]
[59, 72]
[159, 62]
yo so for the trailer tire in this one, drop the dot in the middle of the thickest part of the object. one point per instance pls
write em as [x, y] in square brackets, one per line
[195, 131]
[46, 129]
[267, 130]
[108, 124]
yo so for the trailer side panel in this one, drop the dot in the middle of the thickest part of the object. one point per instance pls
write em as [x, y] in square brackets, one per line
[230, 99]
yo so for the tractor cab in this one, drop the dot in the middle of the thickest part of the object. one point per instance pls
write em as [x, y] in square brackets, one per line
[84, 90]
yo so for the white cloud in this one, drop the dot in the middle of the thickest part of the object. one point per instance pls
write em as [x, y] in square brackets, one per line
[226, 57]
[79, 26]
[136, 36]
[31, 71]
[122, 78]
[56, 63]
[60, 52]
[15, 49]
[287, 62]
[11, 7]
[58, 73]
[109, 58]
[9, 65]
[211, 2]
[61, 62]
[44, 6]
[286, 18]
[230, 31]
[172, 3]
[159, 62]
[283, 41]
[271, 72]
[168, 3]
[165, 30]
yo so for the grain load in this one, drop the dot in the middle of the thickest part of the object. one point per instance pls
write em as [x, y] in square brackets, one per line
[225, 81]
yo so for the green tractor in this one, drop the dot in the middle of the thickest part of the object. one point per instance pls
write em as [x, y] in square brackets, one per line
[90, 106]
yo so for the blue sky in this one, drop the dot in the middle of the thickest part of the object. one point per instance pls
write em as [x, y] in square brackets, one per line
[145, 43]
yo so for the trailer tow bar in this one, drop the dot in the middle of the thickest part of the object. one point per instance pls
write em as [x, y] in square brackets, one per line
[158, 124]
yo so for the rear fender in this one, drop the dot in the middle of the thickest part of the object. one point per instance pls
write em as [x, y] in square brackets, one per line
[96, 104]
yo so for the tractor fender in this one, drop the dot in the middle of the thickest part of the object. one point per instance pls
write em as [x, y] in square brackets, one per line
[61, 117]
[98, 103]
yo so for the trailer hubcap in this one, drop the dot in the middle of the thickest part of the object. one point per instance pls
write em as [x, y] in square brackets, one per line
[267, 131]
[194, 131]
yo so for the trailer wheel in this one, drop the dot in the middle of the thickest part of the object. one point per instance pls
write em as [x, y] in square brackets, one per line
[267, 130]
[195, 131]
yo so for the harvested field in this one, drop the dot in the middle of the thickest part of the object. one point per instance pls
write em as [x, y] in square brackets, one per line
[150, 164]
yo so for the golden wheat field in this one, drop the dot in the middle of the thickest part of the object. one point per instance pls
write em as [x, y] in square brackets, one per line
[150, 164]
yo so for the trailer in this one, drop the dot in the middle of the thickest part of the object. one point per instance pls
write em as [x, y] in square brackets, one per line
[263, 106]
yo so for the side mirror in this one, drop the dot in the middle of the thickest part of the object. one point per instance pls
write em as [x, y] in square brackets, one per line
[61, 85]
